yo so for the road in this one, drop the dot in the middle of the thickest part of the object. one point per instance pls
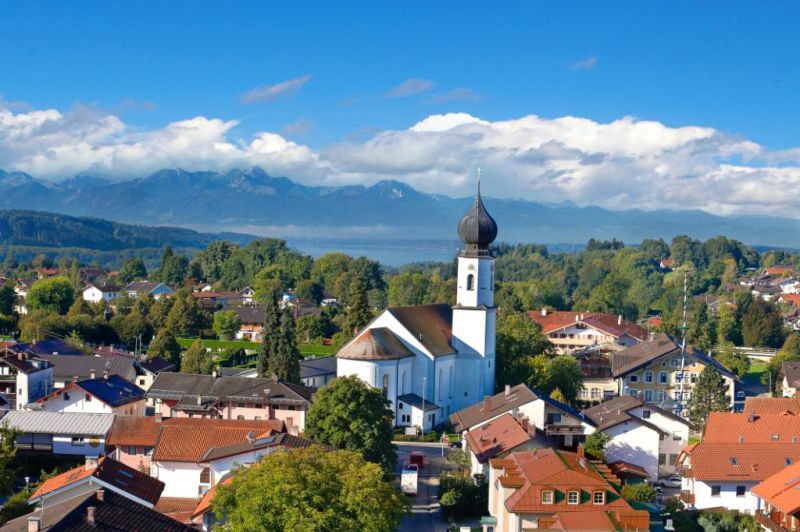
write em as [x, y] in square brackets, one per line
[426, 514]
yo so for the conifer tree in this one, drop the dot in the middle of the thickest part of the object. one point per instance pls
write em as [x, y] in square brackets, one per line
[358, 312]
[269, 345]
[709, 395]
[285, 362]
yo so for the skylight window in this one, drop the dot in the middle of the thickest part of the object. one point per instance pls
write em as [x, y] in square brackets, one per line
[734, 461]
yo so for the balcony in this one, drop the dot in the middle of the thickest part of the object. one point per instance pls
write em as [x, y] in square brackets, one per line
[687, 497]
[768, 522]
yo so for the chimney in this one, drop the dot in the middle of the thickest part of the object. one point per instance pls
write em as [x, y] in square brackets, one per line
[34, 523]
[92, 374]
[91, 463]
[75, 378]
[619, 319]
[508, 390]
[20, 356]
[524, 424]
[105, 374]
[158, 417]
[751, 418]
[101, 495]
[250, 437]
[90, 515]
[581, 316]
[544, 311]
[576, 317]
[487, 403]
[580, 452]
[199, 400]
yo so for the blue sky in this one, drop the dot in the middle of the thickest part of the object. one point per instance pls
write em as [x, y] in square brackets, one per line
[728, 66]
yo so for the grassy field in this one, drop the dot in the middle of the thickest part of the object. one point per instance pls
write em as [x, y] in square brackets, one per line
[306, 350]
[757, 369]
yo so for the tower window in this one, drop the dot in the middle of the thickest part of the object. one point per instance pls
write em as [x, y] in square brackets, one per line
[386, 385]
[470, 282]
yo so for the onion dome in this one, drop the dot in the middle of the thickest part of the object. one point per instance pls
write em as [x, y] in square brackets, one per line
[477, 229]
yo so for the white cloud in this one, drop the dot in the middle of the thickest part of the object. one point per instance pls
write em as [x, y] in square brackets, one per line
[585, 64]
[626, 163]
[411, 87]
[269, 93]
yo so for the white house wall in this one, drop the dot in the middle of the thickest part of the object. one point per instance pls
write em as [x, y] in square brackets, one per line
[91, 446]
[181, 479]
[634, 443]
[727, 497]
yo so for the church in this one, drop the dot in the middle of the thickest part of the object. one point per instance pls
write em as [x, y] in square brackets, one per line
[433, 360]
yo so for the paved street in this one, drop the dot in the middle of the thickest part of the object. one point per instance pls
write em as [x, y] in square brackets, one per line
[426, 514]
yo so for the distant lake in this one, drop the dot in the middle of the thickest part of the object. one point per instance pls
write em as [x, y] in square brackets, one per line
[391, 253]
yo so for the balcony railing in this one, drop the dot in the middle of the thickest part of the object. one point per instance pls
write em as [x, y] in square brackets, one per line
[769, 524]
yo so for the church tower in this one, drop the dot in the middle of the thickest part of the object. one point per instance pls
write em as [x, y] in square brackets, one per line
[474, 315]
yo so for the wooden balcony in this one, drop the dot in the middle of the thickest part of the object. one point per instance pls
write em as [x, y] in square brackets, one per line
[768, 522]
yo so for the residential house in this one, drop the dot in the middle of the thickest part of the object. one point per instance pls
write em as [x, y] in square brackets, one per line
[248, 295]
[99, 510]
[779, 270]
[316, 372]
[189, 395]
[668, 264]
[99, 473]
[556, 490]
[558, 423]
[51, 346]
[70, 433]
[91, 273]
[44, 273]
[772, 405]
[641, 434]
[66, 368]
[149, 370]
[109, 394]
[252, 324]
[213, 300]
[790, 378]
[570, 330]
[594, 363]
[652, 372]
[497, 439]
[95, 293]
[155, 289]
[738, 450]
[765, 291]
[24, 379]
[778, 500]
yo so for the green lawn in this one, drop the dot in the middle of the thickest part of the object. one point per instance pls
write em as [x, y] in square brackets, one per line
[757, 369]
[306, 350]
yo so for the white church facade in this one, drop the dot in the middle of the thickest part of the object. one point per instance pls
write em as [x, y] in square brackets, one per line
[433, 360]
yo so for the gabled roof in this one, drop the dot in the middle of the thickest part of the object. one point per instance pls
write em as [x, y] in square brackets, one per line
[263, 441]
[616, 326]
[113, 390]
[113, 512]
[105, 288]
[506, 401]
[771, 405]
[188, 387]
[416, 401]
[617, 410]
[145, 286]
[753, 462]
[66, 367]
[144, 431]
[156, 365]
[731, 427]
[782, 490]
[180, 443]
[375, 344]
[25, 364]
[67, 423]
[496, 437]
[314, 367]
[250, 314]
[109, 473]
[53, 346]
[432, 325]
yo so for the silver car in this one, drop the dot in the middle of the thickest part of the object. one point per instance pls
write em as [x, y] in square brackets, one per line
[671, 482]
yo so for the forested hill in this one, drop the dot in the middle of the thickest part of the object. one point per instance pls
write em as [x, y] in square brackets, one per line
[25, 233]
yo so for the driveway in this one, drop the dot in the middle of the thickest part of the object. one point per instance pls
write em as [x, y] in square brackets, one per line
[426, 514]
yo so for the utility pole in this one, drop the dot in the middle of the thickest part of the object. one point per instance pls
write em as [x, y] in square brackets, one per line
[683, 350]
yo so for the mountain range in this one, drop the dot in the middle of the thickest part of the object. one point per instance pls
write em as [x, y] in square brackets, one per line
[251, 201]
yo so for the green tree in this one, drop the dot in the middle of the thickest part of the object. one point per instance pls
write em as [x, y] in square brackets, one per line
[7, 300]
[595, 445]
[408, 288]
[285, 363]
[709, 396]
[165, 346]
[174, 268]
[226, 323]
[197, 359]
[518, 339]
[271, 337]
[639, 492]
[131, 270]
[788, 352]
[358, 311]
[564, 375]
[186, 317]
[53, 294]
[734, 360]
[308, 290]
[8, 451]
[350, 415]
[310, 489]
[762, 325]
[135, 329]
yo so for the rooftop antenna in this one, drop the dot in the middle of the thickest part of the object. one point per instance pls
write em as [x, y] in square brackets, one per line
[683, 349]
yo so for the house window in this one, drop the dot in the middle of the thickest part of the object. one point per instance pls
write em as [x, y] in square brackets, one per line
[470, 282]
[573, 497]
[237, 417]
[205, 475]
[400, 405]
[676, 436]
[693, 378]
[131, 449]
[141, 382]
[645, 414]
[88, 397]
[662, 459]
[740, 491]
[715, 491]
[259, 405]
[77, 440]
[648, 376]
[633, 378]
[648, 395]
[775, 437]
[788, 461]
[676, 362]
[553, 418]
[734, 461]
[599, 497]
[173, 412]
[66, 396]
[595, 393]
[673, 459]
[547, 497]
[386, 386]
[663, 377]
[633, 393]
[239, 405]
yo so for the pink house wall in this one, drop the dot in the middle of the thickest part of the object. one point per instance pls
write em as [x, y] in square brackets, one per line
[249, 411]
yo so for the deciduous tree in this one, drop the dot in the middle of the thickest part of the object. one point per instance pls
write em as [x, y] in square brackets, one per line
[53, 294]
[226, 323]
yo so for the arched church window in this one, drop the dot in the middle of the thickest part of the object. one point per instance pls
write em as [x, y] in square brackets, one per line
[470, 282]
[386, 385]
[441, 383]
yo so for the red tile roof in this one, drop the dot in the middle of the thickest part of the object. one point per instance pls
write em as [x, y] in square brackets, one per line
[144, 431]
[732, 427]
[496, 437]
[772, 405]
[180, 443]
[555, 320]
[177, 508]
[111, 473]
[779, 270]
[205, 503]
[782, 490]
[794, 299]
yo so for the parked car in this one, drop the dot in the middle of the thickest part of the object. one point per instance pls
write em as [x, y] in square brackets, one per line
[418, 458]
[673, 481]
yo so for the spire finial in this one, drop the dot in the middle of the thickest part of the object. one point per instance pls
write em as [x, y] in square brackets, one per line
[478, 171]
